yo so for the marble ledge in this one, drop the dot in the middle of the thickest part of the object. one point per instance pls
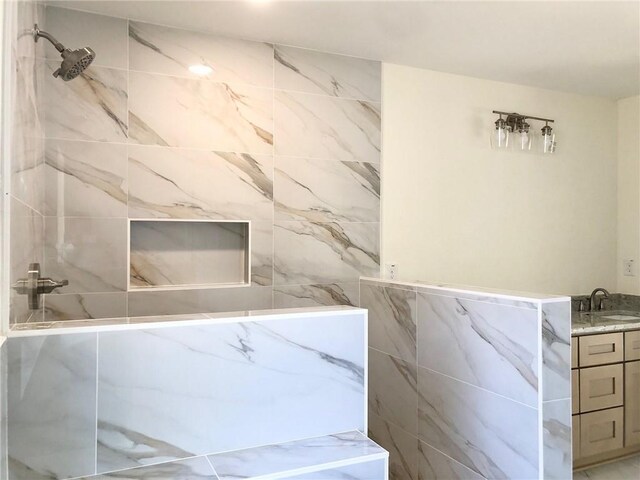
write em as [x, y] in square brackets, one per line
[297, 457]
[585, 324]
[162, 321]
[486, 294]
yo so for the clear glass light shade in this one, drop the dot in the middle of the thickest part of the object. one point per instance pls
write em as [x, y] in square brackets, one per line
[500, 138]
[548, 140]
[523, 140]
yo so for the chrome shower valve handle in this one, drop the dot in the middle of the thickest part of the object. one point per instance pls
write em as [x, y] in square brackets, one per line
[34, 286]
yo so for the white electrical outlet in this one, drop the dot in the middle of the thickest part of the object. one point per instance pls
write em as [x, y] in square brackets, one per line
[392, 271]
[629, 267]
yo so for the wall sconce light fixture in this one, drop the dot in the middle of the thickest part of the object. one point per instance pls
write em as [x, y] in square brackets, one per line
[515, 125]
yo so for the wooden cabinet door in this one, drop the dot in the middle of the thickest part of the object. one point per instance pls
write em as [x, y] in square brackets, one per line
[601, 349]
[575, 391]
[575, 436]
[632, 404]
[632, 345]
[601, 431]
[601, 387]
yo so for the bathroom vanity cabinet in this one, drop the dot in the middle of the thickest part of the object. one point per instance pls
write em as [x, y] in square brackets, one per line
[605, 380]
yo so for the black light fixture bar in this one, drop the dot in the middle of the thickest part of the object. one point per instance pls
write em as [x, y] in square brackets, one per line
[513, 114]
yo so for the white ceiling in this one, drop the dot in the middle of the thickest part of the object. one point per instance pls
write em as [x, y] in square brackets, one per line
[586, 47]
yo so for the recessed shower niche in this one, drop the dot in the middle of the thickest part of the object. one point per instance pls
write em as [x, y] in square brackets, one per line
[181, 254]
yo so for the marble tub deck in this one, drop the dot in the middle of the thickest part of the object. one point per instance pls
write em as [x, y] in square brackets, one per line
[348, 456]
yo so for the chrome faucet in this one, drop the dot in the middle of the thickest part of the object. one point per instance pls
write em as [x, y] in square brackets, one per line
[34, 286]
[592, 298]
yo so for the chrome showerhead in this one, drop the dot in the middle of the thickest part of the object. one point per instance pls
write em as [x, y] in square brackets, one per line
[74, 62]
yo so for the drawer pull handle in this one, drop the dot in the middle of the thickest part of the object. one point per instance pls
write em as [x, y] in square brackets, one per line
[602, 348]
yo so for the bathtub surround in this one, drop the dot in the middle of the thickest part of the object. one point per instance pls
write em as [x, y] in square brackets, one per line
[468, 383]
[254, 379]
[286, 138]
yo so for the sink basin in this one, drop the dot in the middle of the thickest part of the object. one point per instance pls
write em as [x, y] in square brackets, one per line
[618, 315]
[621, 318]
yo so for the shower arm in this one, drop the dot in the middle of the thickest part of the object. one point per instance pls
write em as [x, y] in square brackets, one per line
[37, 33]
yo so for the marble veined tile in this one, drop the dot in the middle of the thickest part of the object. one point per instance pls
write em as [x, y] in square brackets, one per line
[106, 35]
[373, 470]
[321, 191]
[52, 405]
[492, 435]
[402, 448]
[393, 390]
[488, 345]
[182, 112]
[261, 253]
[27, 151]
[263, 377]
[291, 456]
[85, 179]
[556, 350]
[89, 252]
[320, 294]
[171, 51]
[26, 246]
[231, 186]
[92, 107]
[164, 254]
[392, 320]
[3, 406]
[212, 300]
[189, 469]
[558, 463]
[315, 126]
[434, 465]
[309, 252]
[81, 306]
[325, 73]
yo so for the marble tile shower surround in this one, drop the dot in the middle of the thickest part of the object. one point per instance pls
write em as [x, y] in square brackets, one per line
[255, 379]
[25, 184]
[468, 383]
[285, 137]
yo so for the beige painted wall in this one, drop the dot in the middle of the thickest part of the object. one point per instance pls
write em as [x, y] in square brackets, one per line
[629, 192]
[456, 211]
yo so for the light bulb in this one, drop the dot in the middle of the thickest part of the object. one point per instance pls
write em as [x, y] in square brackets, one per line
[524, 140]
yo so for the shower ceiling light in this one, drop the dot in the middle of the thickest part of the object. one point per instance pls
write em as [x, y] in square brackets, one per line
[516, 125]
[201, 69]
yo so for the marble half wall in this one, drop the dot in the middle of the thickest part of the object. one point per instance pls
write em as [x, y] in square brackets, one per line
[469, 383]
[284, 137]
[105, 399]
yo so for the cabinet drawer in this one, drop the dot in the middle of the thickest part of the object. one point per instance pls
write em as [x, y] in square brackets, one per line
[601, 387]
[574, 352]
[601, 349]
[632, 345]
[632, 404]
[575, 436]
[575, 392]
[601, 431]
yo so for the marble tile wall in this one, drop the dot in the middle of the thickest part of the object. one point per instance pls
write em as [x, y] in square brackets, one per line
[25, 186]
[82, 404]
[455, 386]
[4, 458]
[284, 137]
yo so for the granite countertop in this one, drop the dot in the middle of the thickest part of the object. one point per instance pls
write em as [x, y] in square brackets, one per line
[585, 323]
